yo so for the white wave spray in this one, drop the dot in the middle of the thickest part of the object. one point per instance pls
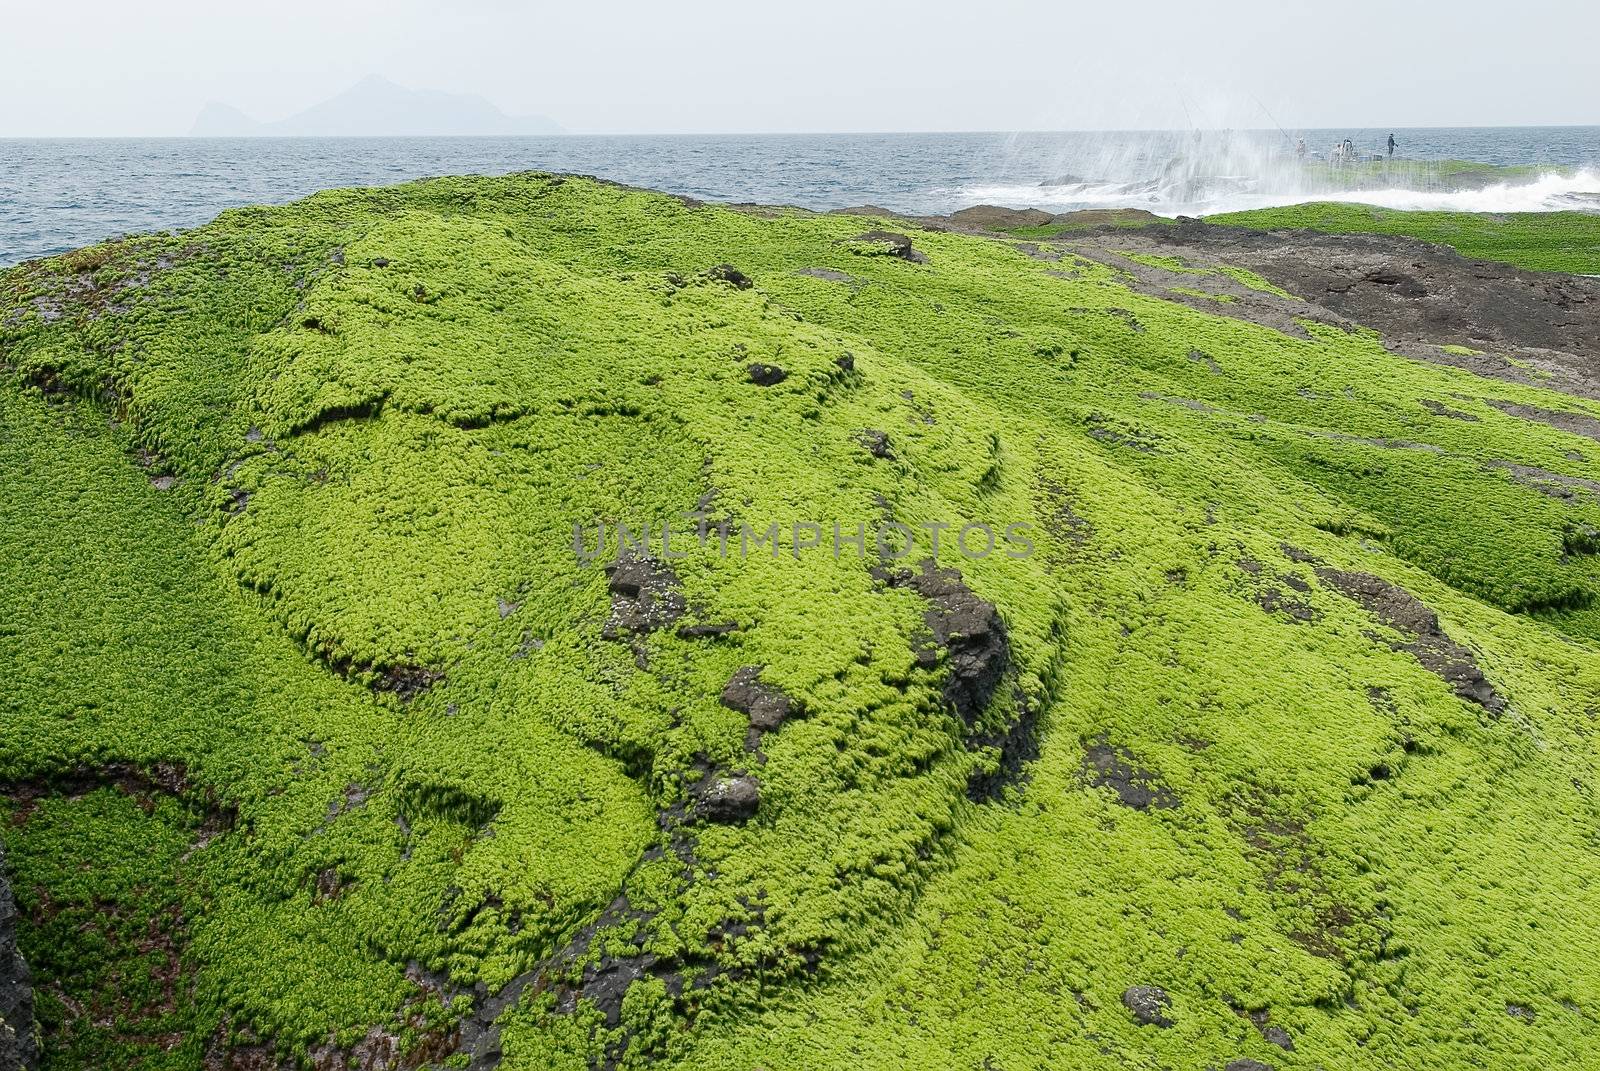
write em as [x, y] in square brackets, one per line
[1207, 172]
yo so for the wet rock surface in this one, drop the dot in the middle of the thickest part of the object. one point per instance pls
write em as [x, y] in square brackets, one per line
[1418, 295]
[1105, 765]
[19, 1043]
[726, 800]
[1149, 1005]
[967, 629]
[1425, 640]
[764, 704]
[644, 597]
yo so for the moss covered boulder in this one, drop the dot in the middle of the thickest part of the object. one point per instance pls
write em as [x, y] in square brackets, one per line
[531, 623]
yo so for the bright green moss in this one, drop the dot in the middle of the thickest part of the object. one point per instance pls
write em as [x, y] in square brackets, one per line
[1541, 241]
[1172, 264]
[288, 506]
[1254, 282]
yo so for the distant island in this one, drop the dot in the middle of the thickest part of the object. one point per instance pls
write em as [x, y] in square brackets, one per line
[375, 106]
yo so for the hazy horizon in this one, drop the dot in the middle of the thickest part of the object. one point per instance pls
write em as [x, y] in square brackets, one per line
[100, 69]
[1371, 130]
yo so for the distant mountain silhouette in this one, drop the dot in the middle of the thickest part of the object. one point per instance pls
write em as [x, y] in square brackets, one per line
[377, 106]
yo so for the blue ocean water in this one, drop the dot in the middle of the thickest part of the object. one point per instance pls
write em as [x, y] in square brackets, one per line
[59, 194]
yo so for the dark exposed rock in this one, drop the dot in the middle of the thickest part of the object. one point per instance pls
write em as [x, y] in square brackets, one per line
[644, 597]
[966, 626]
[870, 211]
[892, 244]
[1518, 1011]
[1407, 615]
[1247, 1065]
[407, 681]
[1295, 554]
[1103, 217]
[380, 262]
[1576, 423]
[995, 218]
[1149, 1005]
[1274, 601]
[969, 630]
[766, 375]
[726, 800]
[19, 1041]
[845, 362]
[1440, 409]
[1018, 745]
[1108, 766]
[1061, 520]
[1277, 1035]
[1554, 484]
[765, 705]
[1418, 295]
[1115, 433]
[875, 441]
[727, 273]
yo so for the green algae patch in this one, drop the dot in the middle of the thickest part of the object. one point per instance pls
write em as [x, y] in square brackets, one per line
[1539, 241]
[340, 732]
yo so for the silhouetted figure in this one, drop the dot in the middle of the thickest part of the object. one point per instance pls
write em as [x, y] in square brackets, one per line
[1391, 146]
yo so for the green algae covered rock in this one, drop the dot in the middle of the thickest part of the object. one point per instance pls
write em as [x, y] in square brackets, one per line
[1541, 241]
[435, 634]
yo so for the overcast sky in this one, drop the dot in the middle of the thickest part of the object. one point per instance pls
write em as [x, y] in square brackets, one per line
[97, 67]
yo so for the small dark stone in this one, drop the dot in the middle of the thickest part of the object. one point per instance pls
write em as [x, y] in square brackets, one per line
[1277, 1035]
[728, 800]
[380, 262]
[727, 273]
[1247, 1065]
[766, 375]
[1149, 1005]
[644, 597]
[846, 362]
[876, 442]
[766, 706]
